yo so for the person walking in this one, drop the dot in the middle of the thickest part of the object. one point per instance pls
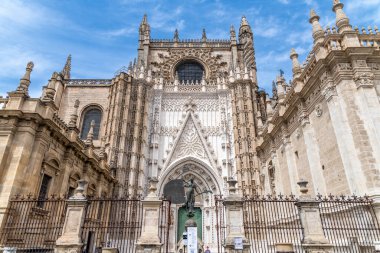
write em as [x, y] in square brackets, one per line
[207, 250]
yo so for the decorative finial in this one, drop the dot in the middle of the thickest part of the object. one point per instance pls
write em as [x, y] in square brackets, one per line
[74, 115]
[303, 188]
[67, 69]
[244, 29]
[176, 35]
[342, 21]
[313, 14]
[80, 191]
[274, 91]
[232, 32]
[318, 33]
[25, 80]
[144, 20]
[295, 64]
[90, 135]
[204, 37]
[50, 90]
[243, 21]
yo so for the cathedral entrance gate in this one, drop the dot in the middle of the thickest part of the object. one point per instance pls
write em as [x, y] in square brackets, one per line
[205, 215]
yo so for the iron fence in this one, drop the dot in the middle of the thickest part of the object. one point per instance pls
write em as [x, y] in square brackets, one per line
[114, 223]
[349, 223]
[271, 220]
[220, 222]
[33, 225]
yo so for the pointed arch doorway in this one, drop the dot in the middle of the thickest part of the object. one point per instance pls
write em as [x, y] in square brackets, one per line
[205, 179]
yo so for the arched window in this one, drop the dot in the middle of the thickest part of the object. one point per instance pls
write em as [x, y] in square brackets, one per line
[90, 115]
[190, 71]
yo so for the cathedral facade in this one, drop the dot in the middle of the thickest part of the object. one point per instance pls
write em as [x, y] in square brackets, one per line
[192, 109]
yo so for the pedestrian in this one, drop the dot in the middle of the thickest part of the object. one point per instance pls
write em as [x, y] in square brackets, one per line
[207, 250]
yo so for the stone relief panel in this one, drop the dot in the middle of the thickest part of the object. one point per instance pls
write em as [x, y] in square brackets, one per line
[190, 143]
[166, 60]
[178, 104]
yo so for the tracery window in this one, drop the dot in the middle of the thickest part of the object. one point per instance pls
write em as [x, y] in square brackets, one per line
[90, 115]
[190, 71]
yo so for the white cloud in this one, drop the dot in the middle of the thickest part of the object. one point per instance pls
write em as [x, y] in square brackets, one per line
[283, 1]
[266, 27]
[120, 32]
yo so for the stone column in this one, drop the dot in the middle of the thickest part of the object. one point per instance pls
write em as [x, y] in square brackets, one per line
[70, 240]
[149, 240]
[314, 240]
[234, 219]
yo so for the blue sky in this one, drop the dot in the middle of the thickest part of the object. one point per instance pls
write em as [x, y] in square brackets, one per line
[102, 35]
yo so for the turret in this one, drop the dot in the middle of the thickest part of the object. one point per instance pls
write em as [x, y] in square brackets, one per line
[144, 41]
[246, 38]
[295, 64]
[342, 21]
[25, 80]
[318, 33]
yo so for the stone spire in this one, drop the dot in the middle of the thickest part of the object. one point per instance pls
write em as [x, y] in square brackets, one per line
[342, 21]
[318, 33]
[50, 90]
[204, 37]
[74, 115]
[176, 35]
[232, 34]
[245, 28]
[25, 80]
[90, 135]
[274, 91]
[295, 64]
[67, 69]
[144, 29]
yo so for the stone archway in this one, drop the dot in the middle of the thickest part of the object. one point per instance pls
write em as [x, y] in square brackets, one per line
[205, 178]
[190, 165]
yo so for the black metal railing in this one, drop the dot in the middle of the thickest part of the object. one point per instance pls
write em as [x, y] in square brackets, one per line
[349, 223]
[165, 221]
[272, 220]
[33, 225]
[220, 222]
[114, 223]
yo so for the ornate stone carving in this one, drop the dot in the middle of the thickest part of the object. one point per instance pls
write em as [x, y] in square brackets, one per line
[202, 104]
[343, 67]
[166, 61]
[189, 143]
[318, 110]
[169, 131]
[329, 91]
[90, 82]
[374, 66]
[363, 79]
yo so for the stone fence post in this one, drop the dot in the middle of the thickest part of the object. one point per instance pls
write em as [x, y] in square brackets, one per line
[314, 240]
[149, 240]
[234, 220]
[70, 240]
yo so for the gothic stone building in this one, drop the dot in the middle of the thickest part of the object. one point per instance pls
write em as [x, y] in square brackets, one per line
[193, 109]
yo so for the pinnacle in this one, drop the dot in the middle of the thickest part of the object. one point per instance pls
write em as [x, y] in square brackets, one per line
[204, 37]
[144, 21]
[313, 13]
[244, 21]
[176, 35]
[293, 53]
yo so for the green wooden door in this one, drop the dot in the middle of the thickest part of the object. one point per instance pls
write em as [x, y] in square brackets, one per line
[182, 218]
